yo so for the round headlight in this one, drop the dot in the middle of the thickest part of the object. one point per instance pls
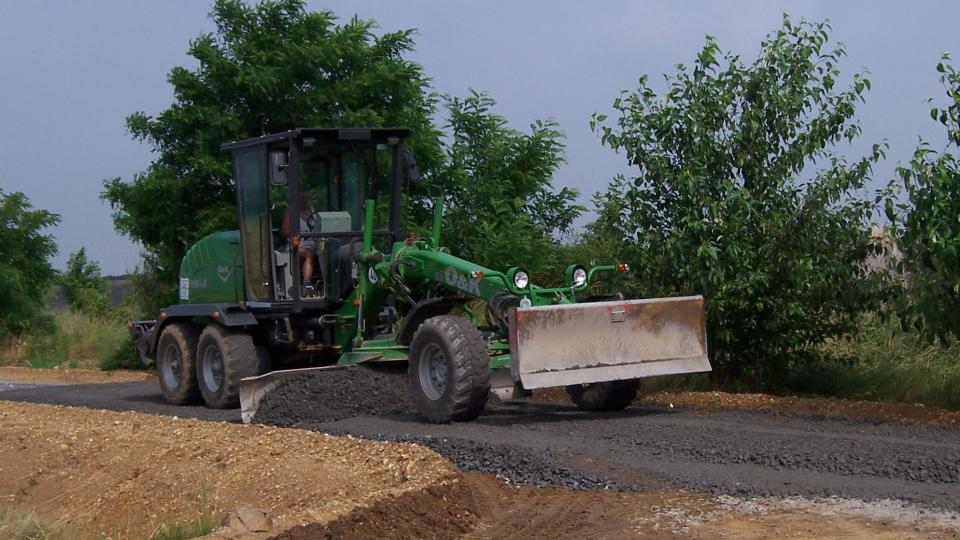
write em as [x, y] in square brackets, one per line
[579, 276]
[521, 279]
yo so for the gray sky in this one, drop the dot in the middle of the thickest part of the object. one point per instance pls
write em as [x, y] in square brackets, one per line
[71, 71]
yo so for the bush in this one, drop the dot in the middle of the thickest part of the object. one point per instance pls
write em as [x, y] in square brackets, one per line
[929, 232]
[25, 271]
[85, 289]
[741, 197]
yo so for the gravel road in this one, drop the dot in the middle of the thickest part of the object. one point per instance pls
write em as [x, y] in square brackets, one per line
[726, 452]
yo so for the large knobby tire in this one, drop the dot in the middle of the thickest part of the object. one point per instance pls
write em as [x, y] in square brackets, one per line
[224, 356]
[176, 363]
[604, 396]
[449, 369]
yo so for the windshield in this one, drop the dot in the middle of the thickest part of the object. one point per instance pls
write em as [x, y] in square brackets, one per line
[339, 178]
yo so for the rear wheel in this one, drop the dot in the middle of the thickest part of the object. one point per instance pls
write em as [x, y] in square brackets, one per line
[176, 364]
[449, 369]
[604, 396]
[224, 356]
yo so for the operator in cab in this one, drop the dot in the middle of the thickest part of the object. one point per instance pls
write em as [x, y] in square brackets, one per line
[308, 246]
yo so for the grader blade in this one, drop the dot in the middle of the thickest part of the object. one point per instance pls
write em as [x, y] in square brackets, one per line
[253, 389]
[568, 344]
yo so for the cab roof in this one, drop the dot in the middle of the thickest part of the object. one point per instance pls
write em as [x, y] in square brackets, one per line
[324, 135]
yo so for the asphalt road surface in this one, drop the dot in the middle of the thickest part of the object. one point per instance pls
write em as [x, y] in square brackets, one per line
[643, 447]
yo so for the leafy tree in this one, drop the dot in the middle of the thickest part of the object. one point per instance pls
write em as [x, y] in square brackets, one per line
[929, 231]
[25, 270]
[267, 67]
[741, 196]
[85, 288]
[501, 207]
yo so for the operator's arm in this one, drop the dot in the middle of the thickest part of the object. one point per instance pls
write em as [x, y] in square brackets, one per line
[285, 225]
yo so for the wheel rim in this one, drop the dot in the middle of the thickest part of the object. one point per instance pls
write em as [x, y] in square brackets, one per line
[433, 371]
[212, 369]
[170, 366]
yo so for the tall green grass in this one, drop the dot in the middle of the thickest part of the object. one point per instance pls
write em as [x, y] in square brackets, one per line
[74, 340]
[883, 363]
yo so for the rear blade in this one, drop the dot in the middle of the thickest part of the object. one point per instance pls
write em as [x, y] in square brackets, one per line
[606, 341]
[253, 389]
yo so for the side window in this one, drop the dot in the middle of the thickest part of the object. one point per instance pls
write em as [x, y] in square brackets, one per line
[251, 169]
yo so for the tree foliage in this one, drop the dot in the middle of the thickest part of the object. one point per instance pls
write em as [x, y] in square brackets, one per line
[83, 285]
[25, 271]
[501, 207]
[929, 230]
[267, 67]
[740, 195]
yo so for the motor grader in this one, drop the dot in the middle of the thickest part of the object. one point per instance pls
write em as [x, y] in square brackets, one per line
[321, 275]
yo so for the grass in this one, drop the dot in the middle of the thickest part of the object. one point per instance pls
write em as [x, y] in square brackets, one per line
[883, 363]
[25, 526]
[75, 341]
[204, 526]
[207, 521]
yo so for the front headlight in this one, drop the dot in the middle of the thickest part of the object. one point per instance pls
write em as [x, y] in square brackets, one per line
[579, 276]
[521, 279]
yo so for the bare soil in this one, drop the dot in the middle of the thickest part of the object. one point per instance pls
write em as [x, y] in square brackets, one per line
[128, 474]
[72, 376]
[553, 512]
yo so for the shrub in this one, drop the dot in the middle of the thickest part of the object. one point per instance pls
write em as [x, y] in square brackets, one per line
[740, 196]
[25, 271]
[85, 289]
[929, 231]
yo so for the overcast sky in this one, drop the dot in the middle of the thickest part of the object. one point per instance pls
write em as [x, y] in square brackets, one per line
[71, 71]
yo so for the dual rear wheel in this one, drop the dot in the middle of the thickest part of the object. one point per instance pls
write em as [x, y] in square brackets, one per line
[207, 365]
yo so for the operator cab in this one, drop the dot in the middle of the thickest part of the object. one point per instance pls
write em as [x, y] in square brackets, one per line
[300, 198]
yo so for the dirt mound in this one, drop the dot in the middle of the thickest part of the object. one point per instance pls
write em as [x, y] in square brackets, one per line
[128, 475]
[336, 394]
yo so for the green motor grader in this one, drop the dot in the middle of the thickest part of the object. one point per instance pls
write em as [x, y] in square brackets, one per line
[320, 274]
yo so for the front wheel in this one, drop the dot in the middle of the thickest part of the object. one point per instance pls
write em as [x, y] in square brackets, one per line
[604, 396]
[224, 356]
[449, 369]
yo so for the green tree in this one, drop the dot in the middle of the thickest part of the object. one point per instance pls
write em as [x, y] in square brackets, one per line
[25, 271]
[267, 67]
[929, 230]
[84, 287]
[501, 207]
[741, 196]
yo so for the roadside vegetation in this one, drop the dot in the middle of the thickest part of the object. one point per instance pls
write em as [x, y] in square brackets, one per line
[16, 525]
[741, 189]
[883, 362]
[87, 333]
